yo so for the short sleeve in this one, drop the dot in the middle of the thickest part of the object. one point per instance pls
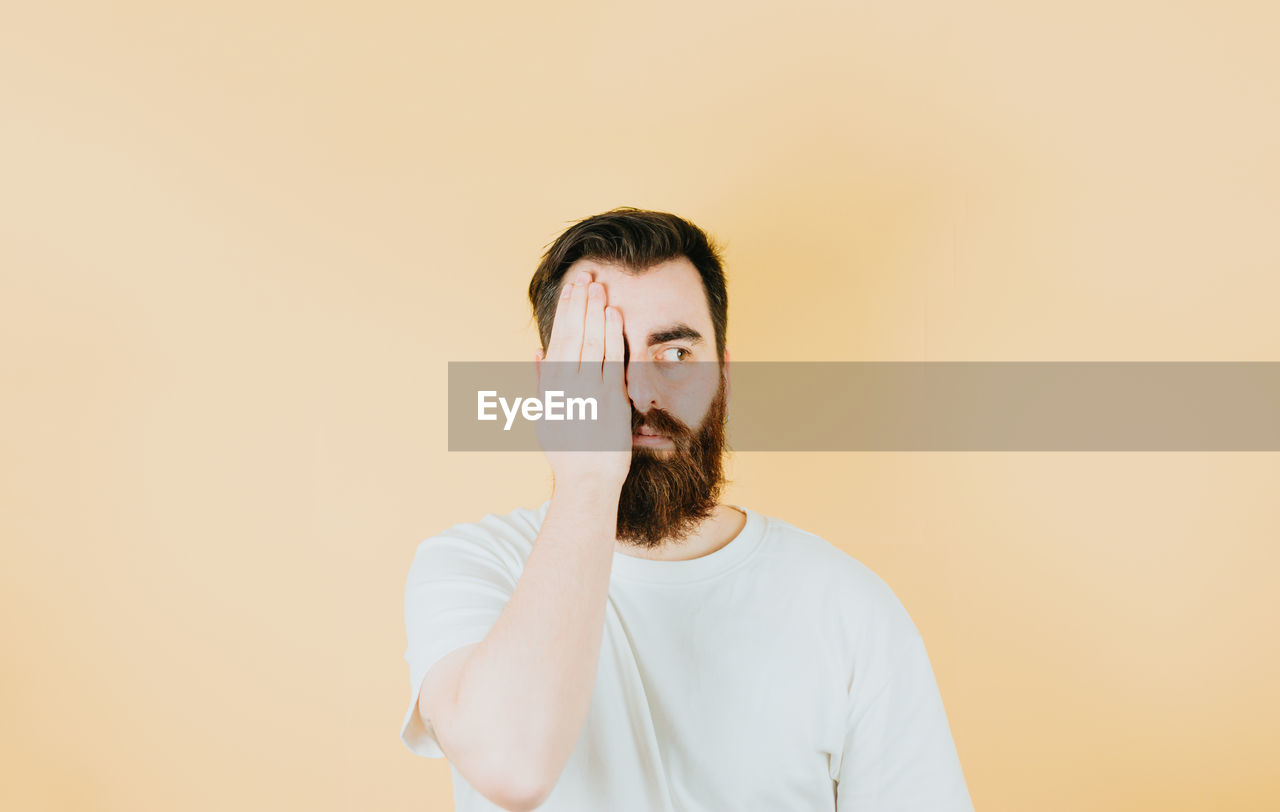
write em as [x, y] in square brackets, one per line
[898, 752]
[456, 590]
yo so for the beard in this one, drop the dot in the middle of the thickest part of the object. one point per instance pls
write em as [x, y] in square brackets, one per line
[669, 492]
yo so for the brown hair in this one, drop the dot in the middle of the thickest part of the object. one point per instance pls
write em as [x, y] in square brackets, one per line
[636, 239]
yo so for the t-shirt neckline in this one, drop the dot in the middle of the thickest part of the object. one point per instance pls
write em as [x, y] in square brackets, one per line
[739, 548]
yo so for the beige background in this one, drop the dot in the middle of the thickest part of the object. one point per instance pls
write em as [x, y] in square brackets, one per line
[242, 240]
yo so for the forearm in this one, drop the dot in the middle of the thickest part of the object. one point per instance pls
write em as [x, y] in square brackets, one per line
[527, 686]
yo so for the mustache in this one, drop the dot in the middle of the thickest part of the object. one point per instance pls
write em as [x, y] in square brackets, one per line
[657, 420]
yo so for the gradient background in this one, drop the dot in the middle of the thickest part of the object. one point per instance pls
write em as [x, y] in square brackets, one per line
[242, 240]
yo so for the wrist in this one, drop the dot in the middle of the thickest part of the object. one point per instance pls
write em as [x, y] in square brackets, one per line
[589, 493]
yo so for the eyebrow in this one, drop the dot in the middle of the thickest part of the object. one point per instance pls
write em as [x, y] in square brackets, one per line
[676, 332]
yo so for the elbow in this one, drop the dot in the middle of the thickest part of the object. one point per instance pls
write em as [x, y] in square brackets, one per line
[511, 779]
[519, 794]
[516, 773]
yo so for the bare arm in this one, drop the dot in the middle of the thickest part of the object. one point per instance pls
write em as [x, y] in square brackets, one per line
[508, 713]
[508, 710]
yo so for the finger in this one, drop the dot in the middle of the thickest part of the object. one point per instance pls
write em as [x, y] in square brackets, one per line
[566, 331]
[613, 347]
[593, 330]
[557, 320]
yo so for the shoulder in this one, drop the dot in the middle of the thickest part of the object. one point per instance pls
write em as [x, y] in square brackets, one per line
[500, 541]
[823, 569]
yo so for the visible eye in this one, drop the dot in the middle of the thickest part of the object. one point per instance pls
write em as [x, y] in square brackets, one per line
[666, 354]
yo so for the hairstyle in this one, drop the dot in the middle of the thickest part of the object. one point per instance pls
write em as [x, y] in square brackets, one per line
[636, 239]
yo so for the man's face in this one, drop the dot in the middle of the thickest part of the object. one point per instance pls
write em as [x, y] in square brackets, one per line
[678, 399]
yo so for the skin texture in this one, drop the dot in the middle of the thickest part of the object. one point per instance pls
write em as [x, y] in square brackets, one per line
[508, 710]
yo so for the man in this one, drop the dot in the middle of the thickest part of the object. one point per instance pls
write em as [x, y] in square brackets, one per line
[633, 643]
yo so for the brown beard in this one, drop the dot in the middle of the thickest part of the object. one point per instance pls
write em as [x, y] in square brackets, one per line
[669, 492]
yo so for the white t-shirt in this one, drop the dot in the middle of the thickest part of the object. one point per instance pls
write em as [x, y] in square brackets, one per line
[776, 673]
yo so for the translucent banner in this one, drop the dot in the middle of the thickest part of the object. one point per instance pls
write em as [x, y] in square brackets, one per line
[881, 406]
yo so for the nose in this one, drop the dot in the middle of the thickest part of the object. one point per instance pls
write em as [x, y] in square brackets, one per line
[641, 385]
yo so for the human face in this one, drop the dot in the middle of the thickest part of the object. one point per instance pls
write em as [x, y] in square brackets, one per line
[670, 343]
[678, 400]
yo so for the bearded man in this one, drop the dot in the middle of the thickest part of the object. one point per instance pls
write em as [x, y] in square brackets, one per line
[633, 643]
